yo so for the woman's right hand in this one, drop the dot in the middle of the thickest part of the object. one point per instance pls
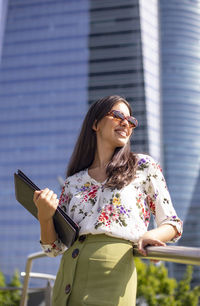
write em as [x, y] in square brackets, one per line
[46, 202]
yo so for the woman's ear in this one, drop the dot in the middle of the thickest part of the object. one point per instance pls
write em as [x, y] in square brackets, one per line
[94, 126]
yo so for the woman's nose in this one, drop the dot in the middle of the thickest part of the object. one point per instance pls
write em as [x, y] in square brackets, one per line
[124, 122]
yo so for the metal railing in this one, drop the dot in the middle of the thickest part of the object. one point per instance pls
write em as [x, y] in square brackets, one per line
[27, 274]
[178, 254]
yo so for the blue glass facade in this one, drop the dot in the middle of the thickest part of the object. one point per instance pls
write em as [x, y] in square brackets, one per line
[180, 52]
[60, 55]
[43, 98]
[149, 12]
[181, 96]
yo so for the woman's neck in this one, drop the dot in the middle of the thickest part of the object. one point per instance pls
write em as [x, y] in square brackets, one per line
[98, 168]
[101, 159]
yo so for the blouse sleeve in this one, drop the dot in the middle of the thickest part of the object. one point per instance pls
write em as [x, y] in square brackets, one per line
[57, 247]
[159, 200]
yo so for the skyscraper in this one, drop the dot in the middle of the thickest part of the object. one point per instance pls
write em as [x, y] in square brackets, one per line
[180, 53]
[124, 59]
[60, 56]
[43, 98]
[57, 56]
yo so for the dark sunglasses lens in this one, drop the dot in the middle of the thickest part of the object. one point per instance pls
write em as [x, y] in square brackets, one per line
[132, 121]
[118, 115]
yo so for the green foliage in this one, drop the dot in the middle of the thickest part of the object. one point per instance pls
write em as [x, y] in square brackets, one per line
[156, 288]
[12, 297]
[2, 280]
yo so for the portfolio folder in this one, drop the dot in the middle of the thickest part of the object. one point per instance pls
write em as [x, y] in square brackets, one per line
[65, 227]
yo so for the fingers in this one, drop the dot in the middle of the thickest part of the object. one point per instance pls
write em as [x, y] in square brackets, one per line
[142, 243]
[54, 196]
[141, 249]
[46, 202]
[45, 196]
[36, 194]
[155, 261]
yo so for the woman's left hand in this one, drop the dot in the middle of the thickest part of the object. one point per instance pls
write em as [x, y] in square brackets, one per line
[156, 237]
[144, 241]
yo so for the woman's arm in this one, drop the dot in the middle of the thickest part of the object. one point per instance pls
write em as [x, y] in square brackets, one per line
[157, 237]
[169, 226]
[46, 202]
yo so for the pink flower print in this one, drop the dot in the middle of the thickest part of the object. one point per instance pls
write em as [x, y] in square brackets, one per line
[152, 206]
[64, 198]
[146, 216]
[139, 199]
[143, 210]
[88, 192]
[67, 198]
[93, 192]
[103, 217]
[85, 198]
[108, 223]
[112, 213]
[115, 217]
[109, 208]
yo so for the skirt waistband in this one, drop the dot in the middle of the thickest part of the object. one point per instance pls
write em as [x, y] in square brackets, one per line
[103, 238]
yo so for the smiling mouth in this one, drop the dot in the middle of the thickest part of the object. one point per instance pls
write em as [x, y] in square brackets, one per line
[121, 133]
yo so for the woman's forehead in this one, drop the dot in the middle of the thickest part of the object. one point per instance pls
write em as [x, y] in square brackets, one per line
[122, 107]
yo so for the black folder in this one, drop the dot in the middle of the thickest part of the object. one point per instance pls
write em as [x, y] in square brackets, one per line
[65, 227]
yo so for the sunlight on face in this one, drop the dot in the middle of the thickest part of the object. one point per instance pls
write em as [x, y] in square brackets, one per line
[112, 133]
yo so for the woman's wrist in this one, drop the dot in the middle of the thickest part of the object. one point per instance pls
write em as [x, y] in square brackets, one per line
[48, 233]
[149, 235]
[45, 220]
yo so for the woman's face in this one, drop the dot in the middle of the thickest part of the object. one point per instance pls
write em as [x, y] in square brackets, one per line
[111, 132]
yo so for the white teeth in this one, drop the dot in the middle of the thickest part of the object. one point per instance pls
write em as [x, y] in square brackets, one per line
[122, 133]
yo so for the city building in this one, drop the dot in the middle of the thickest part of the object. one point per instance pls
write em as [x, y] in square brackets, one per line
[43, 98]
[124, 59]
[180, 61]
[60, 56]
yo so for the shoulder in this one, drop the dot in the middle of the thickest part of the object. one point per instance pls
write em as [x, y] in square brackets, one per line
[147, 162]
[144, 160]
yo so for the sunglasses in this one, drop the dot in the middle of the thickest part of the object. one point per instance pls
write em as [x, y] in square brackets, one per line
[118, 116]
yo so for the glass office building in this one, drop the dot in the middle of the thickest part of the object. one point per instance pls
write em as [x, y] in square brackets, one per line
[124, 59]
[60, 56]
[180, 42]
[43, 98]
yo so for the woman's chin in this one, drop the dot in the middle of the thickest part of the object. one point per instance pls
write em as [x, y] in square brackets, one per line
[121, 142]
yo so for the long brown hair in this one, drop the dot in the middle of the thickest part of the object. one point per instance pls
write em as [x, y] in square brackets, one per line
[122, 167]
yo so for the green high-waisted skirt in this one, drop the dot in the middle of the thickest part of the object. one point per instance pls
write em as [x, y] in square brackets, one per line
[97, 270]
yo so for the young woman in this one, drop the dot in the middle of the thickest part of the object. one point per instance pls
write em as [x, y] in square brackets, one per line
[110, 192]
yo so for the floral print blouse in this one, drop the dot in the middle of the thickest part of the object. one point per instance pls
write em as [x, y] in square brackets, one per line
[121, 213]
